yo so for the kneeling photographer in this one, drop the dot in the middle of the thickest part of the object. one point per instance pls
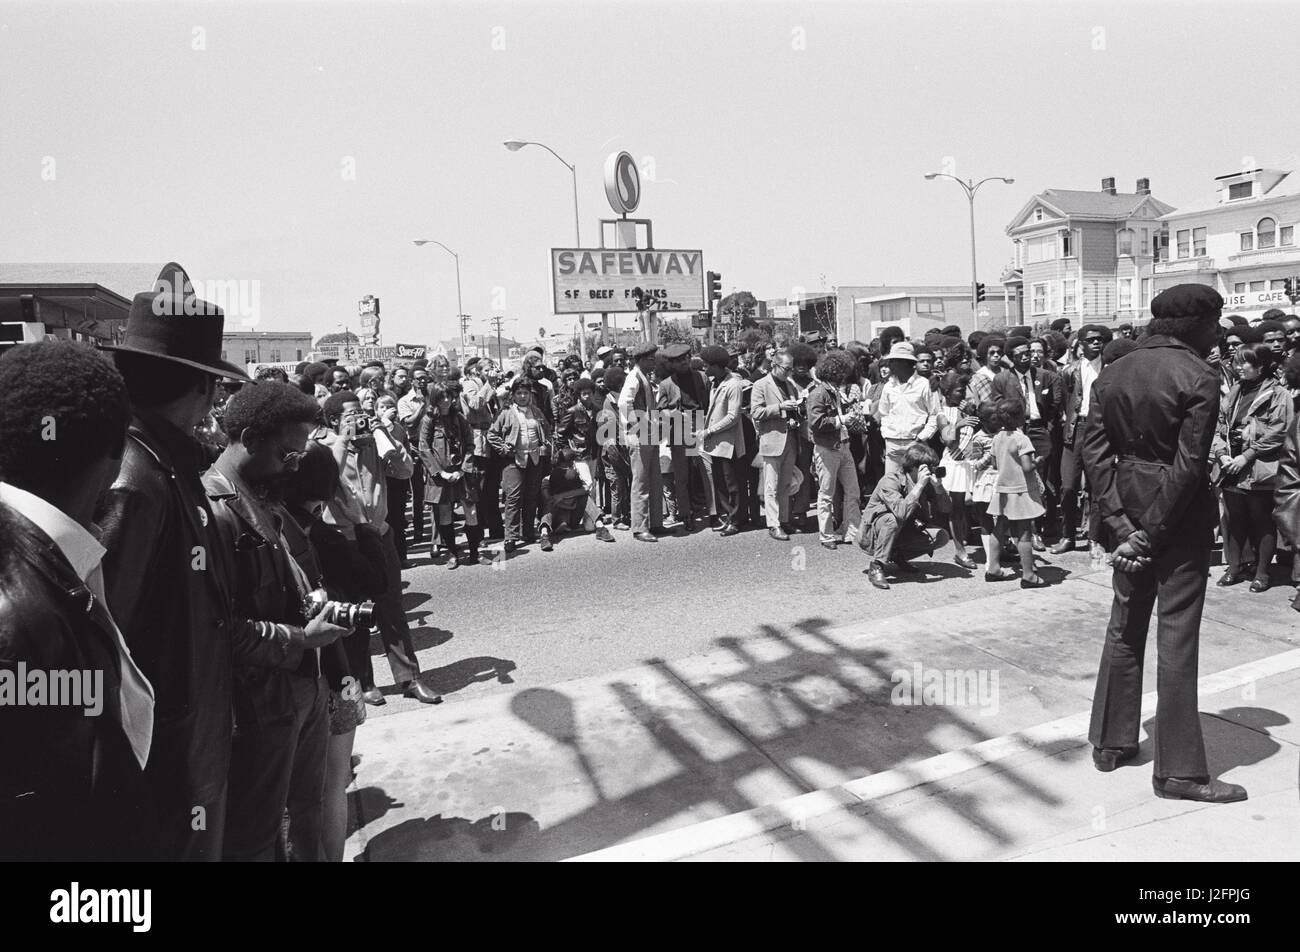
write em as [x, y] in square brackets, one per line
[901, 517]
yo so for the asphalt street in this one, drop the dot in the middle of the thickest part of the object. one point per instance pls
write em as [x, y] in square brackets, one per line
[589, 607]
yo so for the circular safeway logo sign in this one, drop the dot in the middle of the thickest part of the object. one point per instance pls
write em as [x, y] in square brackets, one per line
[622, 182]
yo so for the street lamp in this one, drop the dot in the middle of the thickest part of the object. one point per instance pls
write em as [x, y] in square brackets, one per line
[970, 188]
[460, 308]
[514, 145]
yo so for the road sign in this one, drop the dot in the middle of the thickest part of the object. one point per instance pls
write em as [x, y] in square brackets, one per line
[594, 325]
[594, 280]
[622, 182]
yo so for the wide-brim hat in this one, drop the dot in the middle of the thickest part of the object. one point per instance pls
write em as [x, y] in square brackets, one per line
[171, 323]
[901, 351]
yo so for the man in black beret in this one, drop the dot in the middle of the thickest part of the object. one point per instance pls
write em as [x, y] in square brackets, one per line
[1145, 447]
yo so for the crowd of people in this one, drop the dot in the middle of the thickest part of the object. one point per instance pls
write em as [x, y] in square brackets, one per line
[223, 549]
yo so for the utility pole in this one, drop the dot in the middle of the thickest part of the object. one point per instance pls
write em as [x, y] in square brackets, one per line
[501, 358]
[464, 326]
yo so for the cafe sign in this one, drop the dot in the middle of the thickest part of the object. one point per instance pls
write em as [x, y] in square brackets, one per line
[1256, 300]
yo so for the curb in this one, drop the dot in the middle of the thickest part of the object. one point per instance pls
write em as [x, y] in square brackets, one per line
[723, 831]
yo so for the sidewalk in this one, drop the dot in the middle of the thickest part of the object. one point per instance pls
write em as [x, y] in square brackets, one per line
[791, 744]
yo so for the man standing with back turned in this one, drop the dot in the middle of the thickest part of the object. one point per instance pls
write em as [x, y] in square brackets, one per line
[1146, 444]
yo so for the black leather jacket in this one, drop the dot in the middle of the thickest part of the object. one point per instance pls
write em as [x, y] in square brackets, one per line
[70, 785]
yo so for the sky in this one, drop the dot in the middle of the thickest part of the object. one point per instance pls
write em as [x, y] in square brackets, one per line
[301, 147]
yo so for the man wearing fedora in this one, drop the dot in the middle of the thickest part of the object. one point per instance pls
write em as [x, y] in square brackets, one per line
[1146, 447]
[166, 571]
[908, 410]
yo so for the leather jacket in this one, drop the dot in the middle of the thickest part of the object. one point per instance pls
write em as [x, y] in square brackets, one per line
[71, 787]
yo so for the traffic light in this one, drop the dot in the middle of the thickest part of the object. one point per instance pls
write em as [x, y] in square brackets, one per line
[715, 286]
[1292, 289]
[979, 292]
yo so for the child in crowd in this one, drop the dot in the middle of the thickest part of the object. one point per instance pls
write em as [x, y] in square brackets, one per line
[957, 431]
[1017, 495]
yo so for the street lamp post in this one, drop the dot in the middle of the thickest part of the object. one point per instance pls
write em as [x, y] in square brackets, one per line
[460, 308]
[514, 145]
[970, 187]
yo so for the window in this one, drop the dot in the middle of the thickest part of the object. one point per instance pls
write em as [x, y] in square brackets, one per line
[1239, 287]
[929, 306]
[1286, 235]
[1125, 294]
[250, 356]
[1040, 298]
[1198, 242]
[1256, 285]
[1126, 242]
[1240, 190]
[1146, 293]
[1039, 249]
[1145, 244]
[1038, 214]
[1067, 243]
[275, 355]
[299, 357]
[1277, 285]
[1069, 302]
[1184, 243]
[1247, 241]
[1265, 233]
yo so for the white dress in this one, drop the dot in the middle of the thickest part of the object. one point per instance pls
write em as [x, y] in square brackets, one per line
[959, 474]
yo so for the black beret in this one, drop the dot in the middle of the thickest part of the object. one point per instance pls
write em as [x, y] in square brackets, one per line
[615, 378]
[1106, 334]
[1267, 325]
[583, 384]
[1020, 330]
[714, 354]
[1193, 302]
[1117, 349]
[676, 351]
[1237, 319]
[645, 349]
[952, 330]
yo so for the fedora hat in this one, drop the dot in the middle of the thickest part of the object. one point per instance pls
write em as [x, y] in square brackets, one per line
[901, 351]
[172, 323]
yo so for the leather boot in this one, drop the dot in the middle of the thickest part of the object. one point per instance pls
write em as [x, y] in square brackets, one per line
[448, 536]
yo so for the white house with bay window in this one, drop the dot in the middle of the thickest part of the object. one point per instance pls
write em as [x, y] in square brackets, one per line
[1242, 241]
[1087, 255]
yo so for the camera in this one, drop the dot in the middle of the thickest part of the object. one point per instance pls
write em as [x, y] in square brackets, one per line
[344, 614]
[362, 424]
[940, 471]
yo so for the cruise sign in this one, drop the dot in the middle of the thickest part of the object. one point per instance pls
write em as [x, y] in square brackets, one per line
[594, 280]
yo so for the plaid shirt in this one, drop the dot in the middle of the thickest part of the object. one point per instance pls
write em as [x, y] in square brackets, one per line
[980, 388]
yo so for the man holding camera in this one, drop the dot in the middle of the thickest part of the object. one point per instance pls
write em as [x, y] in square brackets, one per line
[281, 726]
[897, 523]
[367, 455]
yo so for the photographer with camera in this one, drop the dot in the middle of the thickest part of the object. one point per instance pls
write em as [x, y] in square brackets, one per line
[777, 411]
[366, 454]
[901, 518]
[352, 571]
[278, 753]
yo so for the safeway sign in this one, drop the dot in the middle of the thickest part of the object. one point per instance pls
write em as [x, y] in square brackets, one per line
[593, 280]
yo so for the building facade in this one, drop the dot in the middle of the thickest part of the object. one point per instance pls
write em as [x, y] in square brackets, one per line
[1088, 256]
[1241, 241]
[265, 347]
[864, 311]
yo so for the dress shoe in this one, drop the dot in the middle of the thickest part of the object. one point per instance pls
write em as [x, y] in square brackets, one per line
[1107, 759]
[421, 692]
[681, 531]
[779, 534]
[1261, 585]
[658, 531]
[1062, 547]
[876, 576]
[1005, 575]
[1038, 544]
[603, 534]
[509, 546]
[1036, 583]
[907, 568]
[964, 560]
[719, 524]
[730, 530]
[1213, 791]
[715, 522]
[828, 544]
[621, 526]
[455, 561]
[374, 696]
[644, 537]
[485, 559]
[546, 544]
[1230, 578]
[788, 529]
